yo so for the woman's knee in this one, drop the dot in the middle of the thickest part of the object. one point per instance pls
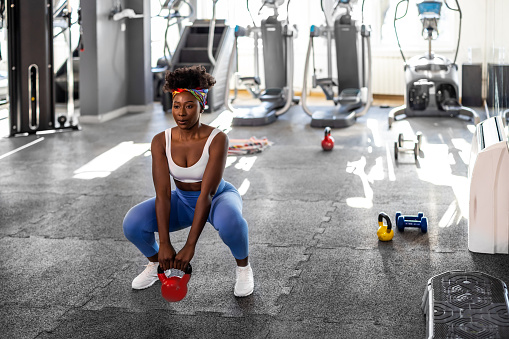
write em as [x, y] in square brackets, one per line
[234, 233]
[138, 219]
[135, 221]
[131, 225]
[232, 226]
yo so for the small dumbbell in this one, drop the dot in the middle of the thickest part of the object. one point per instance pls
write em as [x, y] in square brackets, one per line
[418, 221]
[399, 148]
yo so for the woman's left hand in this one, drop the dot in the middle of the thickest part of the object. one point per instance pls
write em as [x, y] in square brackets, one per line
[183, 257]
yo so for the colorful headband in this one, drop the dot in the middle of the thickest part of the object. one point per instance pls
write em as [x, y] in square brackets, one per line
[198, 93]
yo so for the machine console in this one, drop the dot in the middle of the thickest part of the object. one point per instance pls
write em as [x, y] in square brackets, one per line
[429, 8]
[273, 3]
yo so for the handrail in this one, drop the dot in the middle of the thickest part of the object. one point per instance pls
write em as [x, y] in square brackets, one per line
[227, 101]
[289, 74]
[303, 97]
[369, 84]
[212, 28]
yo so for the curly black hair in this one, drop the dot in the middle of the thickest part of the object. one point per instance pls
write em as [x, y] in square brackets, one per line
[188, 77]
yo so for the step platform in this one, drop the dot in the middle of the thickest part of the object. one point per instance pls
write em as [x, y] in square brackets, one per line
[466, 305]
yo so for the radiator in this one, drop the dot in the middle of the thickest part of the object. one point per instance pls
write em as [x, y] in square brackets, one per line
[388, 75]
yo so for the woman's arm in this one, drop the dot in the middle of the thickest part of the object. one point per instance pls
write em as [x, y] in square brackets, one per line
[218, 152]
[161, 178]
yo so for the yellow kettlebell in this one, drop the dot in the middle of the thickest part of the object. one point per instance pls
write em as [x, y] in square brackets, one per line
[385, 232]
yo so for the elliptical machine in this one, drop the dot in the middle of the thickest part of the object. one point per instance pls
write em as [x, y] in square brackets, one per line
[277, 38]
[348, 38]
[431, 79]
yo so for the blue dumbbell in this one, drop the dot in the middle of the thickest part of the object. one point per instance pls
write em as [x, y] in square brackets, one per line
[419, 221]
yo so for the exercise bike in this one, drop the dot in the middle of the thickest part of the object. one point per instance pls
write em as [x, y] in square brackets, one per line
[431, 79]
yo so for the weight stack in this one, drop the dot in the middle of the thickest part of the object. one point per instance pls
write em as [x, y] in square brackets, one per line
[471, 85]
[31, 78]
[460, 304]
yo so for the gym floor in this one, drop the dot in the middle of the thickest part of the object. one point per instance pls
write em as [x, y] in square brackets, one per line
[320, 271]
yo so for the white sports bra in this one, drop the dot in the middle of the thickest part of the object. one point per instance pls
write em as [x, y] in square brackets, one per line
[192, 173]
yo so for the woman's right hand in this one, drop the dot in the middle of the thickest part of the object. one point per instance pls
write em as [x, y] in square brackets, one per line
[166, 256]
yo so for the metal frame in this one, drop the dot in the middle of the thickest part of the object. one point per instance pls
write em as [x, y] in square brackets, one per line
[30, 49]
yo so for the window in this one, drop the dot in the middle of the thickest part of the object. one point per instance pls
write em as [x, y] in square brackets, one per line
[410, 29]
[160, 29]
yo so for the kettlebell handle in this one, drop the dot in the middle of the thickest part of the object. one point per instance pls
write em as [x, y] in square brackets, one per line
[381, 218]
[188, 269]
[327, 131]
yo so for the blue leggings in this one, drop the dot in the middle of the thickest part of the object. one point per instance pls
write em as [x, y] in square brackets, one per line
[225, 215]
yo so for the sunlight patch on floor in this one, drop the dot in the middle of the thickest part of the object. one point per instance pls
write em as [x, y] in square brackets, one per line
[375, 173]
[244, 187]
[230, 160]
[390, 164]
[373, 126]
[452, 216]
[463, 147]
[245, 163]
[405, 128]
[108, 162]
[21, 148]
[436, 169]
[223, 121]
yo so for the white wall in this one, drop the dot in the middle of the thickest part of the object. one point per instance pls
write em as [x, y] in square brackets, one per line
[482, 31]
[497, 37]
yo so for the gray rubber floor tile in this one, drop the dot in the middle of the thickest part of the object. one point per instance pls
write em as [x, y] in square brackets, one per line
[25, 210]
[284, 223]
[319, 269]
[311, 327]
[211, 286]
[86, 217]
[357, 227]
[28, 321]
[117, 323]
[344, 285]
[41, 272]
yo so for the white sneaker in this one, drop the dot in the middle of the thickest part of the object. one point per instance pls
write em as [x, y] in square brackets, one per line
[146, 278]
[245, 283]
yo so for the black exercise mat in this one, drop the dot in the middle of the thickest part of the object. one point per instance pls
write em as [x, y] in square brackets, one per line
[466, 305]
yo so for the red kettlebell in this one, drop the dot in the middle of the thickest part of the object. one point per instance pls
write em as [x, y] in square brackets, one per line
[328, 141]
[174, 288]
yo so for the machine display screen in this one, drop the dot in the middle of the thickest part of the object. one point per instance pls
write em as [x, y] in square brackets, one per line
[429, 7]
[344, 1]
